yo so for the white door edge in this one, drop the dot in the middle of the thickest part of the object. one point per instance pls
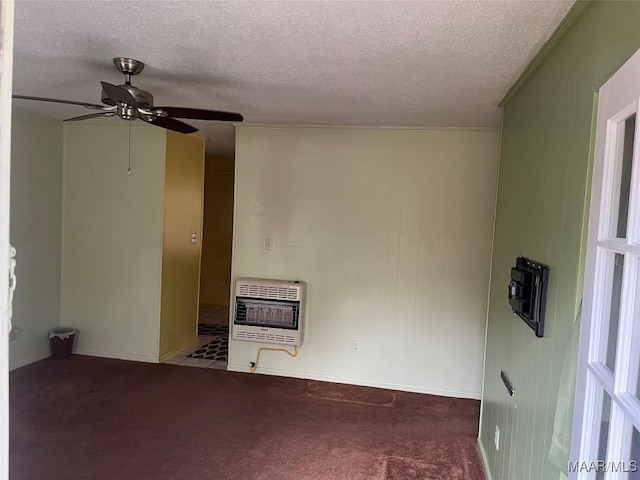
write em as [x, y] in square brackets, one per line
[6, 69]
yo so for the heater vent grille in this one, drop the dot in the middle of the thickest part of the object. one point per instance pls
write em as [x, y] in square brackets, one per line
[266, 337]
[268, 291]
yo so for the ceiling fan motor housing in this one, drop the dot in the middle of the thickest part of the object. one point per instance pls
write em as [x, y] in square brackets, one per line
[128, 67]
[144, 98]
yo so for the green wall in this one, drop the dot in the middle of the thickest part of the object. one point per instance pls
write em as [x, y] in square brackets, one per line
[542, 211]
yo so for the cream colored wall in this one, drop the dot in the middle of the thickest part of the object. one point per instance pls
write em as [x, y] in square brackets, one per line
[111, 266]
[36, 232]
[217, 236]
[183, 198]
[392, 231]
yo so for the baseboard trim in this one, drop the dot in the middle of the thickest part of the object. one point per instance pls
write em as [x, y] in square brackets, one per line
[485, 462]
[29, 361]
[171, 353]
[116, 355]
[352, 381]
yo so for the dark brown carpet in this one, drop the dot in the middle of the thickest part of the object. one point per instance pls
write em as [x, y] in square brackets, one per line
[92, 418]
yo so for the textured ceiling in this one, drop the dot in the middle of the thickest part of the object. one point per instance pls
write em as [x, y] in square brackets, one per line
[383, 63]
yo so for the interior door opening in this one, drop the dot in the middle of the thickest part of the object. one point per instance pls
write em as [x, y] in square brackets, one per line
[215, 270]
[212, 348]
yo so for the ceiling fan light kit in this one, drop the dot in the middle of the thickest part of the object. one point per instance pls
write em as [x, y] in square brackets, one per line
[130, 103]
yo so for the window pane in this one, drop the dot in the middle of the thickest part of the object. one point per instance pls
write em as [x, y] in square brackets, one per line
[611, 305]
[636, 323]
[633, 465]
[605, 416]
[623, 178]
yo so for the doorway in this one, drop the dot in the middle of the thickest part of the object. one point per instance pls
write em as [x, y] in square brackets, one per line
[212, 348]
[606, 433]
[215, 270]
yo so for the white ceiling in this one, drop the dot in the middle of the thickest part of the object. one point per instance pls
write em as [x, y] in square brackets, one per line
[369, 63]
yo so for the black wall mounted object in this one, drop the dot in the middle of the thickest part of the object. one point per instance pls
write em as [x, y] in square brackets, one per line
[528, 292]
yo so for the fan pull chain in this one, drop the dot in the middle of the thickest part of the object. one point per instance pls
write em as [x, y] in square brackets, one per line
[129, 169]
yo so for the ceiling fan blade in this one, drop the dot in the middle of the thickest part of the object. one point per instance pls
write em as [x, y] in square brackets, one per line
[171, 124]
[57, 100]
[119, 94]
[91, 115]
[199, 114]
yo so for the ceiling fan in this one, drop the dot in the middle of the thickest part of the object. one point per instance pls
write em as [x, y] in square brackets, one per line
[130, 102]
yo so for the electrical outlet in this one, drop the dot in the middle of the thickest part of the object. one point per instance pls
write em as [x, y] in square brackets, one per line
[355, 346]
[268, 243]
[496, 437]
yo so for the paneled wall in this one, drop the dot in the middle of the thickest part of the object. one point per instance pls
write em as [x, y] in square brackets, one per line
[392, 231]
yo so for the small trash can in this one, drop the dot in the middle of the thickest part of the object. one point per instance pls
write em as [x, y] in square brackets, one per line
[61, 342]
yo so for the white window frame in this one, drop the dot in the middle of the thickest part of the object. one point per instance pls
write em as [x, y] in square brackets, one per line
[6, 69]
[618, 99]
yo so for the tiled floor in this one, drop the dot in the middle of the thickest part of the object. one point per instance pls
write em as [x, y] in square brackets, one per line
[213, 315]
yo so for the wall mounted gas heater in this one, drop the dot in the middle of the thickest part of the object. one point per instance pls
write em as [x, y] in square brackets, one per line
[269, 311]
